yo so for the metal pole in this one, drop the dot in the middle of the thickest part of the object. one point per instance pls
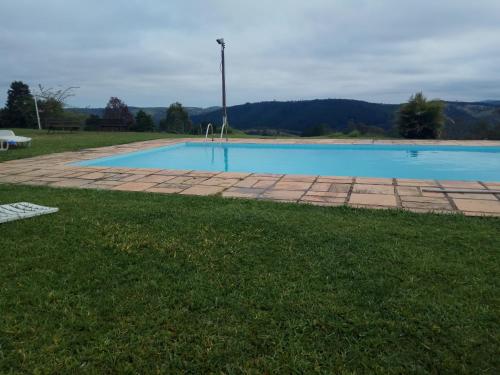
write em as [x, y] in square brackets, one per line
[223, 82]
[37, 114]
[224, 108]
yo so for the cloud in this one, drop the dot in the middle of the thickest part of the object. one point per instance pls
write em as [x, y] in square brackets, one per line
[152, 52]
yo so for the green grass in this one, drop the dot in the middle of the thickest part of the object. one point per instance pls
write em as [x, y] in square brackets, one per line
[122, 282]
[44, 143]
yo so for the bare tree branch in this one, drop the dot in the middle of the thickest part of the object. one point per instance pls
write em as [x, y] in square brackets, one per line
[59, 95]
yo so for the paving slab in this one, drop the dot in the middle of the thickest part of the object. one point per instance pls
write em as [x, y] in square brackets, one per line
[414, 182]
[408, 190]
[476, 205]
[13, 179]
[282, 194]
[299, 178]
[490, 197]
[202, 174]
[373, 199]
[75, 182]
[203, 190]
[340, 188]
[247, 182]
[242, 192]
[429, 206]
[95, 175]
[421, 199]
[174, 172]
[332, 194]
[238, 175]
[372, 189]
[461, 184]
[157, 178]
[492, 185]
[264, 184]
[166, 190]
[321, 186]
[335, 180]
[432, 194]
[135, 186]
[217, 181]
[374, 181]
[292, 185]
[323, 199]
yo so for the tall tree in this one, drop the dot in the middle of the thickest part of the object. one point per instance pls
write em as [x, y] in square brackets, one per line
[19, 110]
[177, 120]
[117, 109]
[2, 118]
[421, 118]
[143, 122]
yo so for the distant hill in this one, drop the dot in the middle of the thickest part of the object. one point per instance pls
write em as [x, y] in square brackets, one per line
[295, 116]
[494, 102]
[337, 114]
[463, 116]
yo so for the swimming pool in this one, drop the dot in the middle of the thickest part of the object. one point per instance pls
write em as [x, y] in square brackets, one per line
[399, 161]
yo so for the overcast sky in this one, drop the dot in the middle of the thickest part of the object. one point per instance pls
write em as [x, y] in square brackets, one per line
[155, 52]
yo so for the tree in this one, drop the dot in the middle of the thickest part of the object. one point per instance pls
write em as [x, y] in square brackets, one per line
[177, 120]
[59, 95]
[2, 118]
[117, 109]
[19, 110]
[49, 109]
[51, 102]
[420, 118]
[143, 122]
[92, 122]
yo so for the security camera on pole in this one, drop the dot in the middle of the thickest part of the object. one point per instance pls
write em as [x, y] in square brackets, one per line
[224, 112]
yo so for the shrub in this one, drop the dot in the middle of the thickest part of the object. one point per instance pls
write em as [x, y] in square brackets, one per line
[177, 120]
[354, 134]
[420, 118]
[316, 131]
[143, 122]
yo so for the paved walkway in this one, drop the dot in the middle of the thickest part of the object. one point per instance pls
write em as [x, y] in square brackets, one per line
[54, 170]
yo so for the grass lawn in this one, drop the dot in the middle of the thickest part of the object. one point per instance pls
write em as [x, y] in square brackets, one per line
[122, 282]
[44, 143]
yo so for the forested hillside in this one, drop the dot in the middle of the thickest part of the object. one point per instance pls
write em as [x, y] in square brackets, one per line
[463, 120]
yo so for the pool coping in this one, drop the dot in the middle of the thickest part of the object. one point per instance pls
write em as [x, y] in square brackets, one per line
[58, 170]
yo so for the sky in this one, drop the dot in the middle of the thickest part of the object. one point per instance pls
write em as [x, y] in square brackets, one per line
[155, 52]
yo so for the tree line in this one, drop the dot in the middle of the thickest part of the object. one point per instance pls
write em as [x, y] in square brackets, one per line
[419, 118]
[21, 111]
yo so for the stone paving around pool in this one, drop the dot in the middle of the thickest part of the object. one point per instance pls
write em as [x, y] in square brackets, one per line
[385, 193]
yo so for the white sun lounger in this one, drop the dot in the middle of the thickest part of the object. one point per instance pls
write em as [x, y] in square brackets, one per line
[11, 137]
[23, 210]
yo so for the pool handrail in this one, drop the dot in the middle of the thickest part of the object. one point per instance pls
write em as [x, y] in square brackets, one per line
[224, 125]
[206, 134]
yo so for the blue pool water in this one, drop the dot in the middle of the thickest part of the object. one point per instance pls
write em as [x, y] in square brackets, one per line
[403, 161]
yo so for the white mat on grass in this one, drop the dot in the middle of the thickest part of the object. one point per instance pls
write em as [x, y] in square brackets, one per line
[23, 210]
